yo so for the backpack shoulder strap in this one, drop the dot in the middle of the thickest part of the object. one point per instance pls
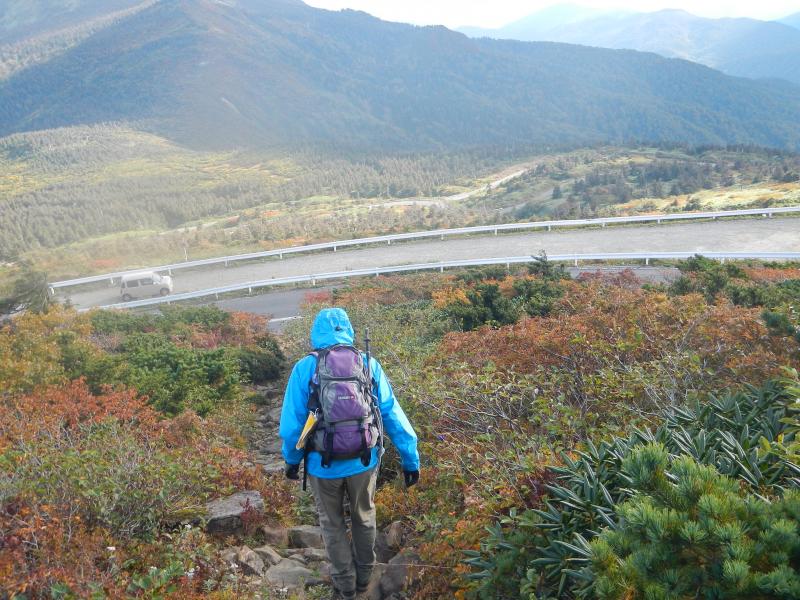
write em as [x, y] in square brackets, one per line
[313, 384]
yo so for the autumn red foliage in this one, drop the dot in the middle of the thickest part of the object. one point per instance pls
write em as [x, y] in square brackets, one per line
[600, 328]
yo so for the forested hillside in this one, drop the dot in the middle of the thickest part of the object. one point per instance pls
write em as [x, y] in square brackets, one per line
[16, 55]
[31, 18]
[741, 47]
[153, 202]
[67, 185]
[282, 74]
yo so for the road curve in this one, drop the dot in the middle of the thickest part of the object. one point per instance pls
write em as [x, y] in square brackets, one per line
[754, 235]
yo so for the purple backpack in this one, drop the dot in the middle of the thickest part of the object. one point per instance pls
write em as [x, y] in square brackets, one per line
[341, 394]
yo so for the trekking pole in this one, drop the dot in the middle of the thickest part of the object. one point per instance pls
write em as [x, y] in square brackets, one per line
[376, 409]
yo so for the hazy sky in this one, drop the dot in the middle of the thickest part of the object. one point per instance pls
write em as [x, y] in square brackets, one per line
[494, 13]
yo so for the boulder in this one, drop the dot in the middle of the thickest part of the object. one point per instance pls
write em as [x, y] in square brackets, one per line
[297, 554]
[228, 556]
[315, 554]
[274, 414]
[399, 572]
[275, 535]
[269, 555]
[383, 553]
[273, 466]
[290, 574]
[224, 516]
[394, 535]
[249, 561]
[306, 536]
[273, 446]
[374, 588]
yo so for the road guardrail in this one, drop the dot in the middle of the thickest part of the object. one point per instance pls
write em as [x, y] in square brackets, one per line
[388, 239]
[441, 266]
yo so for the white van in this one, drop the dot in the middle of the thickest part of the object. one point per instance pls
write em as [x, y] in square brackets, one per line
[144, 284]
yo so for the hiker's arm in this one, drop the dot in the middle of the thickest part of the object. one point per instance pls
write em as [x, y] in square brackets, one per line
[395, 422]
[294, 412]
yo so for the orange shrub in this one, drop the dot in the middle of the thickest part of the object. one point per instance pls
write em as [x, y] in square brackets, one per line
[31, 347]
[40, 548]
[625, 342]
[771, 275]
[51, 410]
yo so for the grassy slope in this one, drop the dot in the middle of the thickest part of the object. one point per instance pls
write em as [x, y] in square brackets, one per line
[77, 157]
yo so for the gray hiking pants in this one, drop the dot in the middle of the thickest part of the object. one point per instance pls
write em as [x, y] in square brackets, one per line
[351, 561]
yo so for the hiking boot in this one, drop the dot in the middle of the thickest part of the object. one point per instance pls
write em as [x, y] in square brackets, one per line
[340, 595]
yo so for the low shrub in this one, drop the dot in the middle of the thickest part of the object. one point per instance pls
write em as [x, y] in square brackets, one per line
[743, 435]
[689, 532]
[260, 365]
[175, 378]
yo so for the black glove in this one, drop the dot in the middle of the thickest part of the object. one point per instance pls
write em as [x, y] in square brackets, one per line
[411, 478]
[292, 471]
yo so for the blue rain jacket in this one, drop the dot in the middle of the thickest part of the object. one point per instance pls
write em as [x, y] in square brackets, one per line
[332, 326]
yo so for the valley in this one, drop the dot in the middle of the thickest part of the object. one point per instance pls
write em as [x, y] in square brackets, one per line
[133, 186]
[588, 372]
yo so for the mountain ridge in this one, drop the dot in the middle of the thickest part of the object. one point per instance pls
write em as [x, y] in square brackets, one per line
[283, 74]
[29, 18]
[792, 20]
[737, 46]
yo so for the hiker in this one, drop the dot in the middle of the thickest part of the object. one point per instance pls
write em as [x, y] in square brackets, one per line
[344, 448]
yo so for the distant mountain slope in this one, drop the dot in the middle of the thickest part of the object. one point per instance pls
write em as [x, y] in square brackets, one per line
[539, 25]
[21, 19]
[39, 48]
[280, 73]
[742, 47]
[792, 20]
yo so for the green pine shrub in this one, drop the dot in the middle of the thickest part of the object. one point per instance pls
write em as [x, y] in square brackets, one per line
[747, 436]
[537, 296]
[261, 364]
[487, 306]
[689, 532]
[175, 377]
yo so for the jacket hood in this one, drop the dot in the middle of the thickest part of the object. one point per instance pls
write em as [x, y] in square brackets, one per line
[331, 326]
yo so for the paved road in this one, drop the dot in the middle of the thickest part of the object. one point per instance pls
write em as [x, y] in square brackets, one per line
[284, 305]
[756, 235]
